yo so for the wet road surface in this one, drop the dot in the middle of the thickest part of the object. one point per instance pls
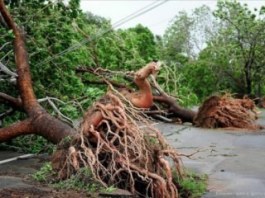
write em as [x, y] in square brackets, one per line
[234, 160]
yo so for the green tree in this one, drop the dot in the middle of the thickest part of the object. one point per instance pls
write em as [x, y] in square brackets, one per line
[145, 42]
[200, 78]
[184, 39]
[188, 34]
[177, 38]
[139, 46]
[238, 46]
[204, 28]
[229, 45]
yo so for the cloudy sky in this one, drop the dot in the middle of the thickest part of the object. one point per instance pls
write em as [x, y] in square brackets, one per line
[156, 19]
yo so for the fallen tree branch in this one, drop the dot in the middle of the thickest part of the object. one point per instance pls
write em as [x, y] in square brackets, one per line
[7, 43]
[174, 109]
[15, 130]
[103, 71]
[2, 21]
[7, 71]
[62, 117]
[13, 102]
[163, 118]
[103, 80]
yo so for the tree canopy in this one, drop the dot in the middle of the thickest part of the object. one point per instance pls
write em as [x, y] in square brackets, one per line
[60, 38]
[231, 41]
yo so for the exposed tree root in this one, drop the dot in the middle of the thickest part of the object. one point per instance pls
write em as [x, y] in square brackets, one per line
[226, 111]
[122, 149]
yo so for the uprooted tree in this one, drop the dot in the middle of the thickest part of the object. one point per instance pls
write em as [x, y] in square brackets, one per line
[110, 141]
[222, 111]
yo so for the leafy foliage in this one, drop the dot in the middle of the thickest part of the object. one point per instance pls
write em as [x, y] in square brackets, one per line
[177, 38]
[198, 75]
[187, 34]
[182, 44]
[44, 173]
[172, 81]
[240, 44]
[33, 144]
[60, 38]
[229, 43]
[82, 181]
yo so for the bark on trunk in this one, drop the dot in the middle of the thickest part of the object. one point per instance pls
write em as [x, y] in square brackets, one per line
[143, 98]
[175, 110]
[248, 76]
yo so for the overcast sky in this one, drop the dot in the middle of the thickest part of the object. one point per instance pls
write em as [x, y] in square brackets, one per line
[157, 19]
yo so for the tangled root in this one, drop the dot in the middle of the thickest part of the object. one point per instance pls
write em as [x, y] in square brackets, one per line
[226, 111]
[121, 148]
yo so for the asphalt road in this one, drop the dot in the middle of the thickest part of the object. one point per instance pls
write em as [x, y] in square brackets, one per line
[234, 160]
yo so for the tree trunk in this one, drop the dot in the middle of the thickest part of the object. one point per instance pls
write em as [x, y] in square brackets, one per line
[248, 76]
[39, 121]
[185, 115]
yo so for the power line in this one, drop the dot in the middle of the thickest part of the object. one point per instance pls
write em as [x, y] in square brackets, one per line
[134, 13]
[115, 25]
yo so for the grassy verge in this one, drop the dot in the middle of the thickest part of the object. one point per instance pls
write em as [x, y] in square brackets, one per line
[191, 185]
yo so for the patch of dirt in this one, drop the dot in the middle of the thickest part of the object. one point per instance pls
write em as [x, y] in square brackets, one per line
[16, 181]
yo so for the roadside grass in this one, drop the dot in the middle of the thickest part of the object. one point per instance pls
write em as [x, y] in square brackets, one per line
[191, 185]
[81, 181]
